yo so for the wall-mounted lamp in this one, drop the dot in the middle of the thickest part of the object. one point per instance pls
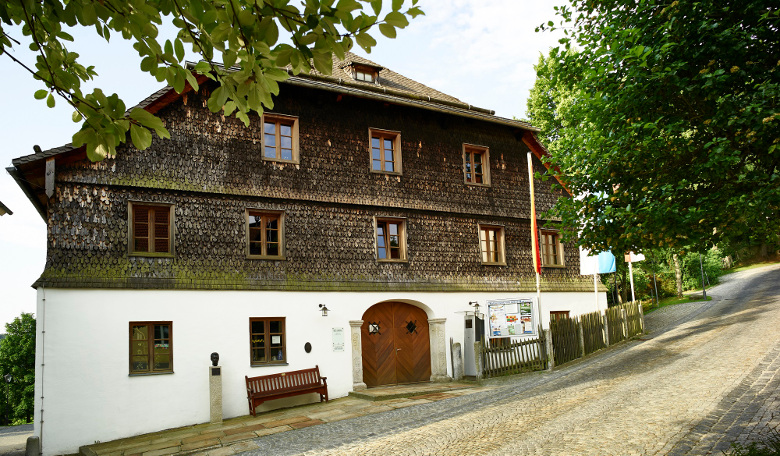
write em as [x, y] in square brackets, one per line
[476, 307]
[324, 310]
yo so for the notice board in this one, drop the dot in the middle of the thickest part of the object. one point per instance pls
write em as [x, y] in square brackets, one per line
[512, 317]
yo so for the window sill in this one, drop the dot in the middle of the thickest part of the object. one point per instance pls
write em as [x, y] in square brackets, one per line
[269, 364]
[148, 374]
[294, 161]
[265, 257]
[393, 261]
[474, 184]
[493, 264]
[390, 173]
[554, 266]
[151, 254]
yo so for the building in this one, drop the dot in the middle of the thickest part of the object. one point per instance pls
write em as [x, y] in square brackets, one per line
[387, 202]
[4, 209]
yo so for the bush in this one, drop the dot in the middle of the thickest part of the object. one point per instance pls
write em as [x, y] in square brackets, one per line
[768, 446]
[711, 262]
[17, 359]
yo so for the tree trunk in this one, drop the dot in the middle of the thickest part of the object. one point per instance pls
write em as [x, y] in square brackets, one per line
[678, 275]
[624, 285]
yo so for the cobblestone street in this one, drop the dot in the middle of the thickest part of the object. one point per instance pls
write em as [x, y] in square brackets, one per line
[706, 375]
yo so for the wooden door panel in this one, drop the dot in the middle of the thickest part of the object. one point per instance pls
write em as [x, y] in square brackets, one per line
[400, 351]
[378, 347]
[413, 354]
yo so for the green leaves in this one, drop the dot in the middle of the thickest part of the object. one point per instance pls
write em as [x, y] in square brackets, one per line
[17, 359]
[396, 19]
[142, 138]
[245, 32]
[365, 41]
[387, 30]
[664, 113]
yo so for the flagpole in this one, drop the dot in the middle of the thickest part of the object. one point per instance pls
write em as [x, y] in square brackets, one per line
[535, 238]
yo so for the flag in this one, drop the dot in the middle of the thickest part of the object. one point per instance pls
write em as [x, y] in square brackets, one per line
[589, 264]
[632, 257]
[606, 262]
[602, 263]
[534, 229]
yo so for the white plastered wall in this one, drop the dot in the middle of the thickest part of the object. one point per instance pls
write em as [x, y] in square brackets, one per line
[84, 393]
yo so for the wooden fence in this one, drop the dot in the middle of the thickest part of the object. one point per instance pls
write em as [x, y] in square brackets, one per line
[615, 324]
[570, 338]
[522, 356]
[565, 339]
[633, 319]
[592, 332]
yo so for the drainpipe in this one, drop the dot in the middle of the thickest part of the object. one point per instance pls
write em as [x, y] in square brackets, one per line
[43, 364]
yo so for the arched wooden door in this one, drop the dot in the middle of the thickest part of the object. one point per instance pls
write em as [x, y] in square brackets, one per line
[396, 345]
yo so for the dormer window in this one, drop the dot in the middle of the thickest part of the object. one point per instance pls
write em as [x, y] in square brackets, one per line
[365, 73]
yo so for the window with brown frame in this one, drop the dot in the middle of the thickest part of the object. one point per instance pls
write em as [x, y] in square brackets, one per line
[476, 165]
[267, 341]
[551, 248]
[365, 73]
[280, 138]
[150, 229]
[265, 234]
[385, 151]
[559, 314]
[151, 347]
[390, 239]
[491, 241]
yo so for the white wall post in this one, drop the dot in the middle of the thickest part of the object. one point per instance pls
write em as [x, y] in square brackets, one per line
[438, 350]
[357, 355]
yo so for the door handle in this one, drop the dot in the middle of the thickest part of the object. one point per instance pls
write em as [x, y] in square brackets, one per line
[397, 349]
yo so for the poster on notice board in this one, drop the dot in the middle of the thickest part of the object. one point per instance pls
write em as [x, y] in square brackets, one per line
[512, 317]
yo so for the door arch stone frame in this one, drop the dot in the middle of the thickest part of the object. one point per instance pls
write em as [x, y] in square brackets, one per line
[437, 343]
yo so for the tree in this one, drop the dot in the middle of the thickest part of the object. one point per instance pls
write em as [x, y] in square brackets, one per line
[549, 103]
[240, 42]
[674, 139]
[17, 359]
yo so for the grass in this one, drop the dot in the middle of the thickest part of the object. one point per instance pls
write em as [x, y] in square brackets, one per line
[769, 445]
[651, 307]
[751, 266]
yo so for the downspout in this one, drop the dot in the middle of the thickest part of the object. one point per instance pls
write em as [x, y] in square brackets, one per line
[43, 359]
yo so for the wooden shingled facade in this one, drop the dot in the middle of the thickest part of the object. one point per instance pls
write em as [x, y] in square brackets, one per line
[212, 170]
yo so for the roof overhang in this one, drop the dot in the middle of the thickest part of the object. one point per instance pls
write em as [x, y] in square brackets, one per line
[530, 140]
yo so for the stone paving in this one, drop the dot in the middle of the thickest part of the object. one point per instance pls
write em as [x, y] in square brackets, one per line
[704, 376]
[236, 434]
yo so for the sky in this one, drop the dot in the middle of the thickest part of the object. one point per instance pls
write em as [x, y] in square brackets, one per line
[479, 51]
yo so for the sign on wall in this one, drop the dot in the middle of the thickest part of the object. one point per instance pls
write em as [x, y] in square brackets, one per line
[512, 317]
[338, 339]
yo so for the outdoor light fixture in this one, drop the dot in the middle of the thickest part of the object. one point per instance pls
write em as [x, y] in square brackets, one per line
[8, 378]
[476, 307]
[324, 310]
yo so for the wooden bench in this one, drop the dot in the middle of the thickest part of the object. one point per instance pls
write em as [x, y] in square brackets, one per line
[285, 384]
